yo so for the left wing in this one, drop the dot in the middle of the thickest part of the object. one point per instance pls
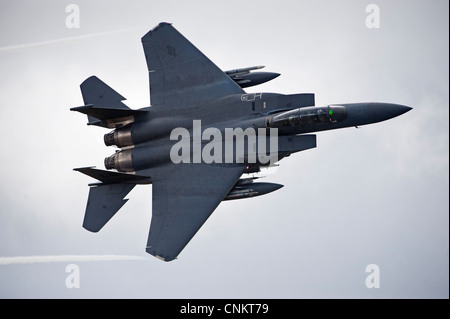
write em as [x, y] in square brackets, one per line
[181, 76]
[184, 196]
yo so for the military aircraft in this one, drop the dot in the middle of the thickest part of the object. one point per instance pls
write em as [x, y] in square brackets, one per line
[179, 143]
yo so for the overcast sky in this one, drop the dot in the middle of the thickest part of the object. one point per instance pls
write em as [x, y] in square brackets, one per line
[377, 195]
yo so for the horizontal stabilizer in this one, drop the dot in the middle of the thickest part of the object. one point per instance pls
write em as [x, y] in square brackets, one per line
[105, 113]
[103, 203]
[110, 177]
[103, 105]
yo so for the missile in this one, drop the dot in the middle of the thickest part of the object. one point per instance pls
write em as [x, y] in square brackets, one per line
[243, 71]
[254, 78]
[245, 78]
[247, 190]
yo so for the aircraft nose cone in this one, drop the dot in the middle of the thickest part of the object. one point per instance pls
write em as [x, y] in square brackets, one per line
[397, 109]
[384, 111]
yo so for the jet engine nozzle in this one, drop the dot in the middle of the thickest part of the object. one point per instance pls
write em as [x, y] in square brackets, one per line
[110, 162]
[119, 137]
[109, 139]
[121, 161]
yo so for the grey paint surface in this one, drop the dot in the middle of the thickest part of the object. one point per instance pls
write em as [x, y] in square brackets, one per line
[401, 224]
[186, 85]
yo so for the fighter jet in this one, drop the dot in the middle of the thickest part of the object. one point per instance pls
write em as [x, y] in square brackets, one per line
[197, 138]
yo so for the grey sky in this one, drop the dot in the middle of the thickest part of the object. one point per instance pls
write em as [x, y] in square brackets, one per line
[377, 195]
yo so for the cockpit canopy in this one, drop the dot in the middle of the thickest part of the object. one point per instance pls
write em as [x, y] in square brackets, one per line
[310, 115]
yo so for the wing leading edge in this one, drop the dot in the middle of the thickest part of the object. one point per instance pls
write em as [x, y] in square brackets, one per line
[183, 198]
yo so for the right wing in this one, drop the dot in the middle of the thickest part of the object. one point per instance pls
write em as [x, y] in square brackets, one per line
[106, 198]
[184, 196]
[103, 203]
[180, 75]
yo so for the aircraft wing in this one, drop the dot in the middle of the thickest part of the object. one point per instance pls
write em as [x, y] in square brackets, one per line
[184, 196]
[181, 76]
